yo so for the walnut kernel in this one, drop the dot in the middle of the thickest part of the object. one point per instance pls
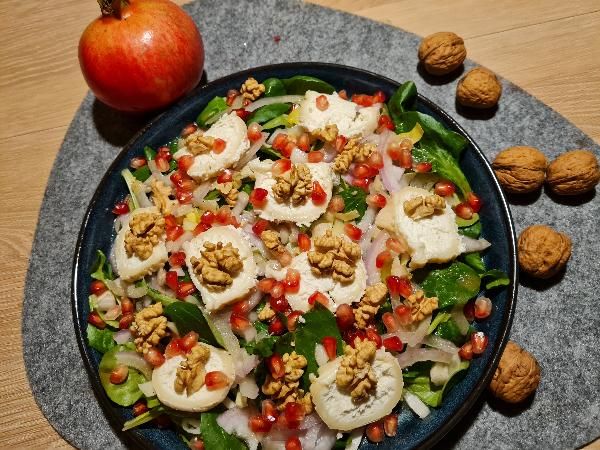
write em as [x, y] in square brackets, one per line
[543, 251]
[369, 304]
[327, 134]
[420, 306]
[294, 185]
[353, 151]
[334, 255]
[197, 143]
[355, 372]
[252, 89]
[190, 373]
[517, 375]
[442, 52]
[149, 327]
[420, 207]
[479, 88]
[145, 231]
[520, 169]
[218, 265]
[574, 172]
[286, 389]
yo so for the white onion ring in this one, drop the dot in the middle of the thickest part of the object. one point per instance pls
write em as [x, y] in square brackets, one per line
[270, 100]
[175, 246]
[252, 151]
[469, 245]
[441, 344]
[416, 404]
[106, 300]
[298, 156]
[240, 203]
[414, 336]
[413, 355]
[134, 360]
[200, 192]
[248, 387]
[370, 257]
[123, 336]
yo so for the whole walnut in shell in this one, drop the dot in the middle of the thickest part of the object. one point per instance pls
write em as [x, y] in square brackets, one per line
[441, 53]
[520, 169]
[543, 251]
[517, 375]
[479, 88]
[573, 173]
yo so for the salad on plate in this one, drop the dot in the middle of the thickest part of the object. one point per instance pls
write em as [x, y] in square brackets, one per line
[291, 270]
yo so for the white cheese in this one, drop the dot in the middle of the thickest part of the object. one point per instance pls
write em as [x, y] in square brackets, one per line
[350, 118]
[132, 268]
[243, 282]
[234, 132]
[337, 409]
[336, 292]
[163, 381]
[303, 214]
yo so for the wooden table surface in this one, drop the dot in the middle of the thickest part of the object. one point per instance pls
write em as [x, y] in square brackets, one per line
[550, 48]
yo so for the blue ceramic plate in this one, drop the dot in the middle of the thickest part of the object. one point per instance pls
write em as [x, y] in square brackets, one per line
[96, 233]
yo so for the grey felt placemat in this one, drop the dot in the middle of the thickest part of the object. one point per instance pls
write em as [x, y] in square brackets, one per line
[557, 320]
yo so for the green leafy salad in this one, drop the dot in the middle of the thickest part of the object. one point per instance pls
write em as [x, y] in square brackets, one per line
[294, 269]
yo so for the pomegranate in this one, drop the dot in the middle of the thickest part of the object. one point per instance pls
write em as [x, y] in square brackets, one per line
[141, 55]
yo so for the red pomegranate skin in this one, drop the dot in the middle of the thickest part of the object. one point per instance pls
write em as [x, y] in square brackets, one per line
[146, 59]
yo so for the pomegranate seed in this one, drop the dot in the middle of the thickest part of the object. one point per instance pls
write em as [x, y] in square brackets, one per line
[393, 344]
[223, 215]
[318, 195]
[154, 357]
[184, 197]
[362, 99]
[375, 161]
[289, 148]
[125, 321]
[292, 281]
[469, 311]
[218, 145]
[126, 305]
[336, 204]
[139, 408]
[258, 197]
[231, 96]
[315, 157]
[444, 188]
[137, 162]
[189, 340]
[383, 258]
[119, 374]
[276, 327]
[254, 132]
[294, 414]
[216, 380]
[351, 335]
[322, 102]
[376, 201]
[303, 242]
[352, 231]
[474, 201]
[292, 320]
[385, 123]
[238, 323]
[170, 221]
[164, 151]
[362, 183]
[403, 313]
[185, 162]
[464, 211]
[479, 341]
[266, 284]
[225, 176]
[95, 320]
[466, 351]
[174, 348]
[398, 285]
[344, 316]
[197, 444]
[318, 297]
[373, 336]
[269, 411]
[374, 432]
[188, 129]
[340, 143]
[423, 167]
[97, 287]
[379, 97]
[242, 114]
[361, 171]
[259, 424]
[395, 246]
[483, 308]
[280, 141]
[281, 166]
[293, 443]
[389, 320]
[171, 280]
[174, 233]
[277, 290]
[304, 143]
[178, 177]
[279, 304]
[201, 228]
[177, 259]
[259, 226]
[162, 163]
[343, 94]
[276, 366]
[390, 425]
[330, 344]
[120, 208]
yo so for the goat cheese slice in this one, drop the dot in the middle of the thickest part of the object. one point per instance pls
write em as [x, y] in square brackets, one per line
[132, 268]
[234, 132]
[301, 215]
[243, 282]
[336, 292]
[163, 382]
[337, 409]
[350, 118]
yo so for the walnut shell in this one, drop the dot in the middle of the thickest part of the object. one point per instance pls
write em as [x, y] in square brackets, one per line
[520, 169]
[517, 375]
[479, 88]
[442, 52]
[543, 251]
[573, 173]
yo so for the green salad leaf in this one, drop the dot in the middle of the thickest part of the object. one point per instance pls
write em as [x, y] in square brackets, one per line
[262, 347]
[212, 111]
[274, 87]
[101, 340]
[157, 295]
[449, 330]
[126, 393]
[215, 437]
[143, 418]
[438, 319]
[101, 269]
[279, 121]
[355, 198]
[475, 261]
[472, 231]
[188, 317]
[429, 393]
[498, 278]
[142, 173]
[213, 195]
[149, 153]
[268, 153]
[403, 100]
[299, 84]
[134, 186]
[268, 112]
[452, 285]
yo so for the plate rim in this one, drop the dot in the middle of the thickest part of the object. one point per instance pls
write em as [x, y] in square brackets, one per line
[131, 437]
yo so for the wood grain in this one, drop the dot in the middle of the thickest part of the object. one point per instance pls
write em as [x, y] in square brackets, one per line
[550, 48]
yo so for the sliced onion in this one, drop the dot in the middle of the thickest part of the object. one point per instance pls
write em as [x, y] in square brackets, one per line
[157, 175]
[249, 334]
[252, 151]
[132, 291]
[370, 257]
[321, 355]
[365, 240]
[221, 322]
[256, 242]
[469, 245]
[244, 363]
[112, 313]
[248, 387]
[171, 326]
[413, 355]
[122, 337]
[147, 389]
[460, 320]
[121, 221]
[134, 360]
[235, 421]
[191, 425]
[106, 301]
[412, 336]
[416, 404]
[298, 156]
[441, 344]
[175, 246]
[270, 100]
[240, 203]
[200, 192]
[439, 373]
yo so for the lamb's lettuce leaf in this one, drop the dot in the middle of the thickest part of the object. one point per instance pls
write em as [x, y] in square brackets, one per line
[126, 393]
[452, 285]
[498, 278]
[101, 340]
[101, 269]
[268, 112]
[212, 111]
[215, 437]
[430, 394]
[299, 84]
[188, 317]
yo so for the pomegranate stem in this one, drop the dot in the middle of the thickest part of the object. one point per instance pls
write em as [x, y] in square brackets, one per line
[112, 7]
